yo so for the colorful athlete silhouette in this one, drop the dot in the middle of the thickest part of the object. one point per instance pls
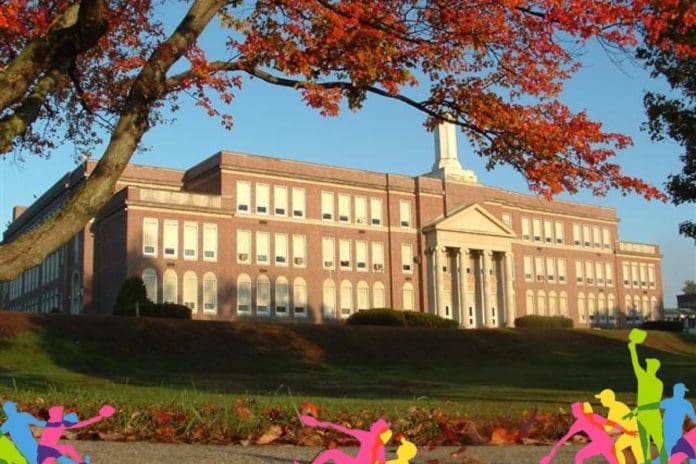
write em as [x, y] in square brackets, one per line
[676, 409]
[371, 443]
[17, 426]
[593, 425]
[404, 453]
[684, 449]
[49, 449]
[649, 392]
[617, 414]
[9, 454]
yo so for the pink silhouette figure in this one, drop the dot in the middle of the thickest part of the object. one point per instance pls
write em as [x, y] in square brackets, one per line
[684, 449]
[371, 443]
[49, 448]
[593, 425]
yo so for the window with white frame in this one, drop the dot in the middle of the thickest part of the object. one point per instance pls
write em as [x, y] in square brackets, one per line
[263, 246]
[563, 304]
[651, 275]
[299, 297]
[298, 202]
[243, 246]
[536, 229]
[577, 235]
[210, 242]
[529, 303]
[328, 300]
[407, 258]
[609, 274]
[328, 247]
[280, 200]
[541, 303]
[589, 272]
[282, 297]
[407, 296]
[169, 287]
[376, 211]
[150, 236]
[552, 303]
[209, 293]
[346, 298]
[299, 250]
[582, 310]
[263, 199]
[550, 269]
[539, 268]
[405, 213]
[507, 219]
[263, 295]
[243, 197]
[360, 209]
[586, 238]
[548, 231]
[561, 268]
[526, 230]
[344, 254]
[579, 273]
[643, 275]
[343, 207]
[560, 235]
[191, 240]
[596, 237]
[170, 239]
[626, 271]
[599, 273]
[243, 295]
[363, 291]
[634, 274]
[327, 206]
[281, 249]
[361, 255]
[190, 296]
[606, 237]
[528, 272]
[150, 280]
[378, 295]
[378, 256]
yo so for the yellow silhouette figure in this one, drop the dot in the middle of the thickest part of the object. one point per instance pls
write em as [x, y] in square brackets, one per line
[617, 412]
[404, 453]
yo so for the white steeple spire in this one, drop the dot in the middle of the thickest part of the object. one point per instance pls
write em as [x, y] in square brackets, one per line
[447, 164]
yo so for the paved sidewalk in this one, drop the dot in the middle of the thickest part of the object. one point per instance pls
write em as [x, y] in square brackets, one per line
[131, 453]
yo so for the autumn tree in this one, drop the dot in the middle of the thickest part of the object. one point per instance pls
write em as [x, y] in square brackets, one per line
[70, 68]
[689, 287]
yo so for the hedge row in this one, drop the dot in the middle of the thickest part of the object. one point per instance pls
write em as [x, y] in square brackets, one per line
[544, 321]
[170, 310]
[667, 326]
[391, 317]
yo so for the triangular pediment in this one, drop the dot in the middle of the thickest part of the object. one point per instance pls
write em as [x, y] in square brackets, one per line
[473, 219]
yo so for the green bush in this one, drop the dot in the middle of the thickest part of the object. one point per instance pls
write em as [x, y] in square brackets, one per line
[666, 326]
[170, 310]
[391, 317]
[557, 322]
[132, 291]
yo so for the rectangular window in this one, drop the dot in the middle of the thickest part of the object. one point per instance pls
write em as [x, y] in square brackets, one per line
[263, 296]
[280, 200]
[170, 241]
[528, 273]
[406, 257]
[579, 274]
[536, 225]
[263, 246]
[651, 275]
[361, 255]
[643, 275]
[244, 246]
[550, 270]
[626, 271]
[589, 272]
[599, 273]
[577, 238]
[244, 297]
[299, 300]
[548, 231]
[634, 274]
[150, 236]
[360, 210]
[191, 240]
[606, 237]
[210, 242]
[609, 274]
[586, 238]
[298, 202]
[405, 213]
[343, 207]
[559, 232]
[327, 252]
[344, 254]
[243, 197]
[562, 276]
[327, 206]
[526, 234]
[378, 256]
[539, 268]
[281, 249]
[596, 238]
[376, 211]
[299, 250]
[507, 219]
[262, 198]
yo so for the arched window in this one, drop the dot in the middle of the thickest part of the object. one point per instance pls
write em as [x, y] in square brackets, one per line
[282, 297]
[346, 298]
[611, 307]
[636, 306]
[530, 303]
[602, 307]
[378, 299]
[170, 290]
[552, 303]
[582, 309]
[191, 291]
[299, 297]
[329, 298]
[646, 308]
[592, 307]
[408, 296]
[209, 293]
[363, 295]
[655, 308]
[263, 296]
[243, 295]
[541, 303]
[630, 310]
[563, 304]
[150, 281]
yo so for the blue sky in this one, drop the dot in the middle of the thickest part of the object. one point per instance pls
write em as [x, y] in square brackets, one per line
[389, 137]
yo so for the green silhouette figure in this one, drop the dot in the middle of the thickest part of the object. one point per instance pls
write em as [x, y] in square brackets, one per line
[649, 392]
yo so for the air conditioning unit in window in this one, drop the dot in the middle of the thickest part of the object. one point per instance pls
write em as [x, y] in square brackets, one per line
[299, 261]
[243, 256]
[378, 267]
[280, 211]
[360, 220]
[209, 254]
[280, 259]
[361, 265]
[189, 252]
[242, 207]
[262, 258]
[328, 263]
[149, 249]
[405, 224]
[343, 218]
[376, 222]
[345, 263]
[169, 252]
[406, 267]
[281, 309]
[327, 216]
[297, 213]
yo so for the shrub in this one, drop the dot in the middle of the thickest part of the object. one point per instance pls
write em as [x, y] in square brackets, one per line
[418, 319]
[558, 322]
[132, 291]
[666, 326]
[170, 310]
[391, 317]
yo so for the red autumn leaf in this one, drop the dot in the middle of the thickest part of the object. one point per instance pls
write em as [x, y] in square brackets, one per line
[242, 411]
[309, 408]
[163, 417]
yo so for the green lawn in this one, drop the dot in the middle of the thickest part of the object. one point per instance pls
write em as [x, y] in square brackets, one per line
[203, 369]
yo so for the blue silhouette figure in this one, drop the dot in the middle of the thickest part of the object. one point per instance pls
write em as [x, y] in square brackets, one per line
[676, 409]
[17, 425]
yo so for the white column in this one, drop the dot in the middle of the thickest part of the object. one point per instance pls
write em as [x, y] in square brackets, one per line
[509, 291]
[464, 288]
[440, 280]
[489, 296]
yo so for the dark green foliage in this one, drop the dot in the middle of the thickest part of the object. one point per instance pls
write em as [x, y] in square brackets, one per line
[665, 326]
[132, 290]
[391, 317]
[689, 287]
[556, 322]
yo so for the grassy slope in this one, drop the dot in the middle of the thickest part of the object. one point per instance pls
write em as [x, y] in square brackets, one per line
[181, 364]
